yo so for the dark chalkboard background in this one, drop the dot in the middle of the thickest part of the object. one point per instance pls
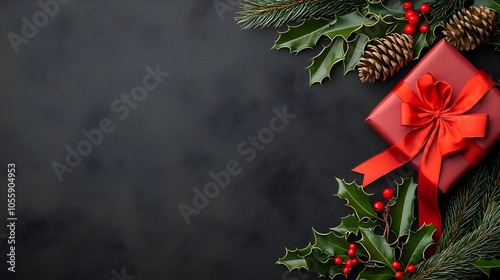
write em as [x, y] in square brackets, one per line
[116, 214]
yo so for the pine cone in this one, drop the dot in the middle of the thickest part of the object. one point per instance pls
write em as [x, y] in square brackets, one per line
[471, 26]
[384, 57]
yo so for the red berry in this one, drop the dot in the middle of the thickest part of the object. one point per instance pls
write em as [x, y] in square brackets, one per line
[398, 275]
[355, 261]
[349, 263]
[425, 8]
[388, 193]
[378, 206]
[424, 28]
[396, 265]
[351, 252]
[413, 19]
[411, 268]
[410, 13]
[352, 246]
[407, 5]
[346, 270]
[410, 29]
[337, 260]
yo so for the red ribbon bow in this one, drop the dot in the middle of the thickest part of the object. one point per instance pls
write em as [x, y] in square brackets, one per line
[440, 129]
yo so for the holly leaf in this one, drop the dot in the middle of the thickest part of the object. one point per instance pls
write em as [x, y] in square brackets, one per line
[331, 244]
[294, 259]
[319, 255]
[377, 247]
[302, 36]
[323, 269]
[423, 40]
[345, 25]
[492, 4]
[487, 264]
[324, 61]
[356, 198]
[383, 9]
[351, 224]
[402, 215]
[414, 248]
[355, 49]
[376, 273]
[379, 29]
[398, 27]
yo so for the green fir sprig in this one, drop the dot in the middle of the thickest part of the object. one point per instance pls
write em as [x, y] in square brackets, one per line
[263, 13]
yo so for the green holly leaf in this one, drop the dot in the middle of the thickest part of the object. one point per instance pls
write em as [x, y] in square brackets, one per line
[492, 4]
[422, 40]
[345, 25]
[383, 9]
[319, 255]
[379, 29]
[377, 247]
[331, 244]
[414, 248]
[294, 259]
[324, 269]
[398, 26]
[351, 224]
[355, 49]
[376, 273]
[357, 199]
[487, 264]
[302, 36]
[402, 215]
[324, 61]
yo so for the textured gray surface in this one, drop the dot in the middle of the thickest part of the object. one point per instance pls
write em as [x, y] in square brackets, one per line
[118, 208]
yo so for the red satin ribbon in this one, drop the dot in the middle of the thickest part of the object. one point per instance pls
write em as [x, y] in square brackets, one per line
[440, 129]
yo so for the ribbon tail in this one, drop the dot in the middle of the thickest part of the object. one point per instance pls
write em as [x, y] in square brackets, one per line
[381, 164]
[394, 157]
[427, 192]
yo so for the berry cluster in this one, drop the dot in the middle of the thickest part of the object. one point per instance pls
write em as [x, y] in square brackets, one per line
[399, 271]
[388, 194]
[414, 18]
[379, 206]
[348, 264]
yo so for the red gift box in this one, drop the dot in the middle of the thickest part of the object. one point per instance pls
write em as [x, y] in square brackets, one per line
[444, 63]
[442, 118]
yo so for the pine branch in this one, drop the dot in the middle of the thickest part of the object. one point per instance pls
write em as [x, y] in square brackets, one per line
[263, 13]
[463, 207]
[470, 201]
[456, 261]
[443, 10]
[493, 190]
